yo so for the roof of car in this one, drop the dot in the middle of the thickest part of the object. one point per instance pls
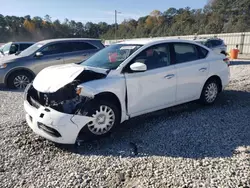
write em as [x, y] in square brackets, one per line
[23, 42]
[69, 39]
[206, 39]
[148, 41]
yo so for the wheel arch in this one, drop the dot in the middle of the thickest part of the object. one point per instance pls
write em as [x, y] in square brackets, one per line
[111, 97]
[218, 80]
[17, 70]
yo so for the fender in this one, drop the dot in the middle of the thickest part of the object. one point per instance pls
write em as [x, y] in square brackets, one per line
[18, 69]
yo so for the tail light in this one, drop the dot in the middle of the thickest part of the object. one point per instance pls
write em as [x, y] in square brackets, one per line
[227, 61]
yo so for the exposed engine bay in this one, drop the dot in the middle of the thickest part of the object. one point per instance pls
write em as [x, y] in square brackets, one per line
[66, 99]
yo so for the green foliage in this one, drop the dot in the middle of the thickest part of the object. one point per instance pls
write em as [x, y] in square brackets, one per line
[218, 16]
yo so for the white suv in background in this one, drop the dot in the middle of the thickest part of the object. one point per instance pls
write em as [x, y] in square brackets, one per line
[71, 103]
[215, 44]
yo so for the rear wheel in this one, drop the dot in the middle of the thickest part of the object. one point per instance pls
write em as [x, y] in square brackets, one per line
[19, 80]
[106, 117]
[210, 92]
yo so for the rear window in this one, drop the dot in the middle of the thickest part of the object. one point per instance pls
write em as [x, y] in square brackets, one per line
[80, 46]
[202, 52]
[216, 43]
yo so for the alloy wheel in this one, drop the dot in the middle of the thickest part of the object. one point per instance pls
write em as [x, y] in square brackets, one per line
[211, 92]
[21, 81]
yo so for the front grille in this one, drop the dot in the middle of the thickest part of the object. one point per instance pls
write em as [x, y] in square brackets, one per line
[48, 130]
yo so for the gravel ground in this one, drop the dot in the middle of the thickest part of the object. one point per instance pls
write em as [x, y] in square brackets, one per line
[185, 146]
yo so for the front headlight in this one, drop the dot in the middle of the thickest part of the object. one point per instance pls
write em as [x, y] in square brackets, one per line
[3, 66]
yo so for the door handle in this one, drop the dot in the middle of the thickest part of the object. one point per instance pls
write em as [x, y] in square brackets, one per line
[169, 76]
[203, 69]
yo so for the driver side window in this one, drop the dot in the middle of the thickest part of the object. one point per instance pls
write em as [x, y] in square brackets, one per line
[154, 57]
[52, 49]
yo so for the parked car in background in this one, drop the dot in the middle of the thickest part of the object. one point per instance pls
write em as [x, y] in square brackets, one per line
[17, 71]
[14, 48]
[71, 103]
[216, 44]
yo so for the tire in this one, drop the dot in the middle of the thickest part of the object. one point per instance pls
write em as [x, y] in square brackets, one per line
[23, 77]
[90, 131]
[210, 92]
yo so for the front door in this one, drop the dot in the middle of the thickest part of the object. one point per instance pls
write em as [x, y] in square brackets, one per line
[156, 87]
[52, 54]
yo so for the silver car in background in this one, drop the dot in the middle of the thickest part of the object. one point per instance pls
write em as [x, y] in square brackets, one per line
[215, 44]
[18, 70]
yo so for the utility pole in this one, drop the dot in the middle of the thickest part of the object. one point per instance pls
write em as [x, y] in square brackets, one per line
[116, 12]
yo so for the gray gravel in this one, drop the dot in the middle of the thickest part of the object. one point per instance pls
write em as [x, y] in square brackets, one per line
[185, 146]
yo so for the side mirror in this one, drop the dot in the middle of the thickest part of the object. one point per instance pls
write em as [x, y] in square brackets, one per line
[17, 53]
[138, 67]
[39, 54]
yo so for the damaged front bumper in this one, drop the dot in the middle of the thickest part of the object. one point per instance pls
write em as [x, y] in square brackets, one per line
[54, 125]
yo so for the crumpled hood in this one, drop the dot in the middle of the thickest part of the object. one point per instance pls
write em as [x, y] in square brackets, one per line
[51, 79]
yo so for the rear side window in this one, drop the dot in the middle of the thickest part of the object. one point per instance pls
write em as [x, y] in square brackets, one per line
[80, 46]
[185, 52]
[24, 46]
[202, 52]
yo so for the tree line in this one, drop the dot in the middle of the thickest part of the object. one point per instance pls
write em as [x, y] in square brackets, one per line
[218, 16]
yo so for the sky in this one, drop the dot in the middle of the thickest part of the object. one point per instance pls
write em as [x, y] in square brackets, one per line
[92, 10]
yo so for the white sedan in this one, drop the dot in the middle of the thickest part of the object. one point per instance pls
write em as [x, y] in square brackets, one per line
[68, 103]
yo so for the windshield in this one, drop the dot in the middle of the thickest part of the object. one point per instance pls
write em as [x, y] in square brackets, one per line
[111, 57]
[1, 49]
[6, 48]
[30, 50]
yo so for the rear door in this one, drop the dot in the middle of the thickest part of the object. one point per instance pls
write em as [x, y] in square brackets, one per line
[52, 55]
[192, 70]
[78, 51]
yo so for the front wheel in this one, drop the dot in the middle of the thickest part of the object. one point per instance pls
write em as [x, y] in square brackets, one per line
[210, 92]
[19, 80]
[106, 117]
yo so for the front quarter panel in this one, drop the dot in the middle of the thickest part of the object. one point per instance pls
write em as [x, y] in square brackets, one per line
[19, 64]
[113, 84]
